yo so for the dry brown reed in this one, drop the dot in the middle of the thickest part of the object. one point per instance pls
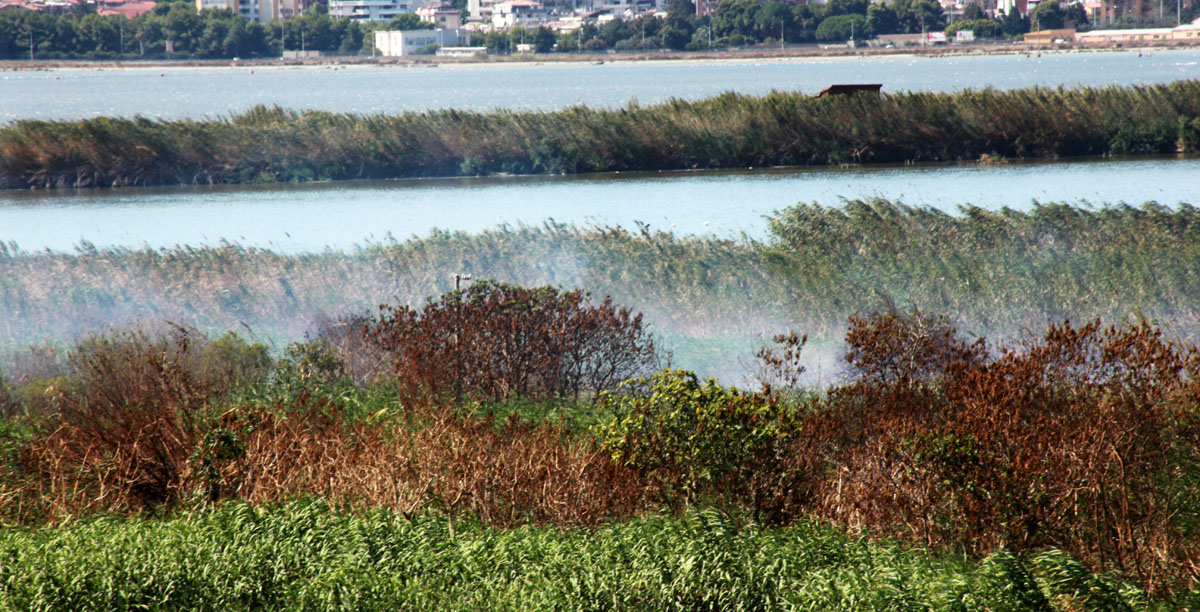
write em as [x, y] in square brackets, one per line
[505, 473]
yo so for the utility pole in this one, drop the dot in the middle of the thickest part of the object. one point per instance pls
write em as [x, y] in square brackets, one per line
[31, 44]
[458, 279]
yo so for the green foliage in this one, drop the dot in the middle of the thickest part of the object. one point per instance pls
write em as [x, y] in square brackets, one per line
[999, 270]
[843, 27]
[1014, 23]
[304, 555]
[739, 22]
[707, 440]
[174, 25]
[1047, 16]
[309, 367]
[983, 28]
[919, 16]
[234, 361]
[882, 19]
[409, 21]
[9, 403]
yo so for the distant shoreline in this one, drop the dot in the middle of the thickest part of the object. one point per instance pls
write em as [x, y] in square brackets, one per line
[752, 54]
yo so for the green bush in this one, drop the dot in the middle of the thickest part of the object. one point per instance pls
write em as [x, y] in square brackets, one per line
[983, 28]
[707, 442]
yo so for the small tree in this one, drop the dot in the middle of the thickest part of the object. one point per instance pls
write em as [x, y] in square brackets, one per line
[409, 21]
[1047, 16]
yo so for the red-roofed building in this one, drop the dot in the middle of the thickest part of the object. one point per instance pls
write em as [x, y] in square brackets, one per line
[15, 5]
[128, 10]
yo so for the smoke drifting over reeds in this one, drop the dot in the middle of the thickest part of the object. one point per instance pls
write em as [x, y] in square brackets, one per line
[712, 300]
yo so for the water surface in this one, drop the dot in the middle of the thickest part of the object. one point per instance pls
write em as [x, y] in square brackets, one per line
[312, 217]
[217, 92]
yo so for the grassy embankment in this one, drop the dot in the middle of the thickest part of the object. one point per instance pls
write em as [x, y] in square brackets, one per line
[1000, 273]
[727, 131]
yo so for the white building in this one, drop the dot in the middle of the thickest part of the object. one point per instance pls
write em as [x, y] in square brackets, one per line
[480, 10]
[371, 10]
[441, 16]
[1185, 32]
[262, 11]
[400, 43]
[525, 13]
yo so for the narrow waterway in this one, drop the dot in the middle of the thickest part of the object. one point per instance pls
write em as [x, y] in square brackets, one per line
[312, 217]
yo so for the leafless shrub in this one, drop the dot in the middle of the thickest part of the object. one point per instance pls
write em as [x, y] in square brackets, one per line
[500, 340]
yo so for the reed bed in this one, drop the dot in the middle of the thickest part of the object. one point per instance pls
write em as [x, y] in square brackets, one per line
[1000, 272]
[306, 556]
[727, 131]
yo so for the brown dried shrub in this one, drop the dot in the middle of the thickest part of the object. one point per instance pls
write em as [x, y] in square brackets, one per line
[130, 413]
[1073, 441]
[504, 473]
[130, 424]
[501, 340]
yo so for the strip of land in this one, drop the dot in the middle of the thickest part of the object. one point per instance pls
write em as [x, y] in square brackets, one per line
[727, 131]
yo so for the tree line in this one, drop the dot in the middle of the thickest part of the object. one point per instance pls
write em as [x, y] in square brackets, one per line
[173, 29]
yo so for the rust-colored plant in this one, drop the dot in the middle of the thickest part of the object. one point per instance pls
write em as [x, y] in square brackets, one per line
[1078, 441]
[501, 340]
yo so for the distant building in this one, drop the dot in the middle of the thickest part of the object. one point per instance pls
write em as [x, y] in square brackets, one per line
[441, 16]
[1185, 32]
[462, 52]
[525, 13]
[1006, 7]
[480, 10]
[371, 10]
[53, 7]
[128, 10]
[1045, 37]
[262, 11]
[402, 43]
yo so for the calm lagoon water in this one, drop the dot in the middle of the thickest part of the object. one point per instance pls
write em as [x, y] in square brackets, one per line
[298, 218]
[217, 92]
[312, 217]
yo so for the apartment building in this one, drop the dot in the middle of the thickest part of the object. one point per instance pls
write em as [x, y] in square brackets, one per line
[262, 11]
[440, 15]
[525, 13]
